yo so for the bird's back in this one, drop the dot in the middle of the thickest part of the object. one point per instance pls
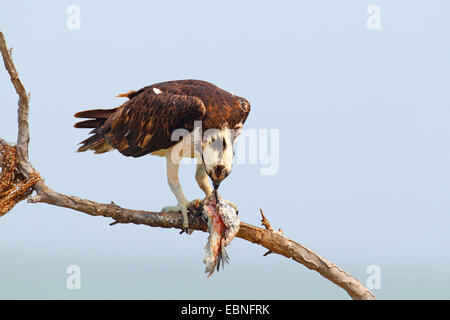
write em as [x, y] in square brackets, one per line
[222, 107]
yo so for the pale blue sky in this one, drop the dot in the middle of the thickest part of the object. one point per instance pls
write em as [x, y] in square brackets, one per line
[363, 117]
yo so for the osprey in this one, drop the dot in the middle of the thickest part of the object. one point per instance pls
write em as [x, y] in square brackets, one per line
[164, 119]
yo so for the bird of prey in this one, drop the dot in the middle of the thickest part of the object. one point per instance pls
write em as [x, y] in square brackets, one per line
[147, 123]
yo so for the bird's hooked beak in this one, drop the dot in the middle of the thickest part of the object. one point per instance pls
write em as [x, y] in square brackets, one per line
[217, 175]
[215, 195]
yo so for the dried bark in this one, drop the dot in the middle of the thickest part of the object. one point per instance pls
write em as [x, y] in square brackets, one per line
[273, 240]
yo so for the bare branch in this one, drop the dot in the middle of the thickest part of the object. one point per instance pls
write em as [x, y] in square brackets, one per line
[23, 137]
[273, 240]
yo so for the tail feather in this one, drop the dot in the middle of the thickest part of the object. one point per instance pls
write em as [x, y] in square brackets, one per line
[222, 258]
[90, 142]
[95, 113]
[90, 123]
[97, 118]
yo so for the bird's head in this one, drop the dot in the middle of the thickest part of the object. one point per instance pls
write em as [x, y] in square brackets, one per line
[217, 153]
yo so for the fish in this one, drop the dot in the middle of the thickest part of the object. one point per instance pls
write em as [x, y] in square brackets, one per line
[223, 225]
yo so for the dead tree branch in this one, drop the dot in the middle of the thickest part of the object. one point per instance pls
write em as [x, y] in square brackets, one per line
[273, 240]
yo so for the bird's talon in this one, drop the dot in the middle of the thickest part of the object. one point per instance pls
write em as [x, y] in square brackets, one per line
[183, 209]
[235, 207]
[195, 206]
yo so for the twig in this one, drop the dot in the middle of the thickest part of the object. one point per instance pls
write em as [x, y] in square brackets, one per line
[267, 225]
[265, 222]
[274, 241]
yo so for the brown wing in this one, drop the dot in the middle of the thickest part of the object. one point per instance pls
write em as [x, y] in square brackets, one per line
[222, 107]
[243, 109]
[145, 123]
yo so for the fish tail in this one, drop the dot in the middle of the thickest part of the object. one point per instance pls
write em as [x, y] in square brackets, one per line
[222, 257]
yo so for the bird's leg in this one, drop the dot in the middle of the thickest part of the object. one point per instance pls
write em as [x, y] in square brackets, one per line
[202, 179]
[174, 184]
[203, 182]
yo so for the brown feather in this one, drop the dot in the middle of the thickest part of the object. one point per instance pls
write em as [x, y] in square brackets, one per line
[145, 123]
[95, 113]
[89, 123]
[126, 95]
[222, 108]
[91, 143]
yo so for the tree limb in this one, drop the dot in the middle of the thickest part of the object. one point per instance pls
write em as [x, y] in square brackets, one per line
[23, 137]
[273, 240]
